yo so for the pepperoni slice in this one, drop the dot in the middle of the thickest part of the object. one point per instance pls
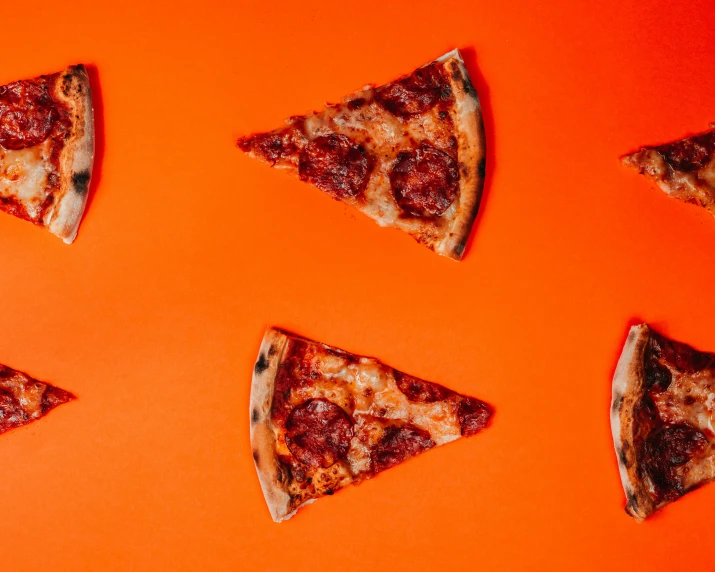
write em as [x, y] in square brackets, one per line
[397, 444]
[416, 93]
[474, 415]
[683, 357]
[318, 433]
[420, 391]
[27, 114]
[425, 181]
[689, 154]
[335, 164]
[669, 448]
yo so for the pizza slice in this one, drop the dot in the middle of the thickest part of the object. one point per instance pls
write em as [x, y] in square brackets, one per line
[409, 154]
[662, 420]
[684, 169]
[323, 419]
[24, 399]
[47, 149]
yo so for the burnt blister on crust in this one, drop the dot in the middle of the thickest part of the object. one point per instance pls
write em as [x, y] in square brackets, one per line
[80, 182]
[261, 364]
[617, 402]
[255, 416]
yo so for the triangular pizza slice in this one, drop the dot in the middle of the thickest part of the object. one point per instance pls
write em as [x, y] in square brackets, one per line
[323, 418]
[47, 149]
[24, 399]
[662, 420]
[410, 154]
[684, 169]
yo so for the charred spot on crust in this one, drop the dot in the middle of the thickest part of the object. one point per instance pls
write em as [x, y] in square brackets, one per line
[255, 416]
[261, 365]
[329, 492]
[624, 459]
[255, 457]
[459, 249]
[272, 351]
[631, 500]
[482, 167]
[617, 403]
[80, 182]
[356, 103]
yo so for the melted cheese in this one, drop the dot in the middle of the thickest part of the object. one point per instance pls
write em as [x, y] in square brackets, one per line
[24, 176]
[368, 391]
[26, 391]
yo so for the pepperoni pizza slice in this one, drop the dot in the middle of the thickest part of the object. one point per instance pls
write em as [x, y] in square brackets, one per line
[47, 149]
[409, 154]
[684, 169]
[24, 399]
[662, 420]
[323, 419]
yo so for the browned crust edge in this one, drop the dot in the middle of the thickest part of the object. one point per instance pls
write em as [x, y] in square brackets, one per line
[77, 158]
[263, 434]
[628, 389]
[472, 152]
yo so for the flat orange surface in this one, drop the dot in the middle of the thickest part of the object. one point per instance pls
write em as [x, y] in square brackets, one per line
[189, 249]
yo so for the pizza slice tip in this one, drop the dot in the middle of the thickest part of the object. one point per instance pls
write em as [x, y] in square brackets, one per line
[24, 399]
[322, 418]
[410, 154]
[662, 409]
[47, 149]
[683, 169]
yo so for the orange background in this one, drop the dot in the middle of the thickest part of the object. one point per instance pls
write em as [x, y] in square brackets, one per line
[189, 249]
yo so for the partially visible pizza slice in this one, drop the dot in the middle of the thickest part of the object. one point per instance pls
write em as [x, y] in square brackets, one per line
[323, 418]
[47, 149]
[684, 169]
[662, 417]
[24, 399]
[410, 154]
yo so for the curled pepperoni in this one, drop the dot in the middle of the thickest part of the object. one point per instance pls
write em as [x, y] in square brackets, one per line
[689, 154]
[420, 391]
[415, 93]
[335, 164]
[425, 181]
[397, 444]
[27, 114]
[669, 448]
[474, 415]
[318, 433]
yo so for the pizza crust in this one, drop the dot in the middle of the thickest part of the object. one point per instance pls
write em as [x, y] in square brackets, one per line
[471, 143]
[263, 436]
[628, 389]
[77, 157]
